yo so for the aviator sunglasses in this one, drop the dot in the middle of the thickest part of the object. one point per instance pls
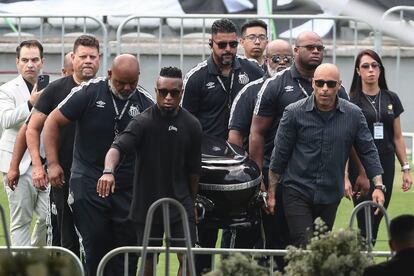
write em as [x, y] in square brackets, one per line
[277, 59]
[374, 65]
[223, 44]
[329, 83]
[164, 92]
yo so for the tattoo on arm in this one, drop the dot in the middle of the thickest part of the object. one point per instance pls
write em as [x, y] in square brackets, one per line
[274, 179]
[377, 180]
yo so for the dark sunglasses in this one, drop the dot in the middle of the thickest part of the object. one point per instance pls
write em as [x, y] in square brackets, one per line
[164, 92]
[277, 59]
[312, 47]
[374, 65]
[223, 44]
[329, 83]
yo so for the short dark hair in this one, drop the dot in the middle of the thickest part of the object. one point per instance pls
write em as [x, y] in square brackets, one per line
[253, 23]
[402, 229]
[29, 44]
[171, 72]
[223, 26]
[86, 41]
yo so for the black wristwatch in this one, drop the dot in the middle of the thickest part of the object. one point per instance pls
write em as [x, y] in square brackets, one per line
[381, 187]
[108, 171]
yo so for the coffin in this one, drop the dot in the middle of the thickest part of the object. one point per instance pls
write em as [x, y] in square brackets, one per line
[230, 182]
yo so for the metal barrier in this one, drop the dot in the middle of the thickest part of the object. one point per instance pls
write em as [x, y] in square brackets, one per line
[43, 19]
[183, 48]
[411, 149]
[366, 205]
[50, 249]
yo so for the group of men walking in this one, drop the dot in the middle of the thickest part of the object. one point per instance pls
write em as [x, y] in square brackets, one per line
[108, 152]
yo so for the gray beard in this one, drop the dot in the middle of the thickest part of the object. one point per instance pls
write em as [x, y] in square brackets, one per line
[116, 93]
[271, 71]
[230, 62]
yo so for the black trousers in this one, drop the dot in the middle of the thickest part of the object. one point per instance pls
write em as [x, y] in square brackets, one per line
[67, 233]
[301, 213]
[103, 224]
[388, 165]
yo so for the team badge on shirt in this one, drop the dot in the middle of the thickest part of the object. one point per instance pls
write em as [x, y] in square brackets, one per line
[390, 109]
[243, 78]
[133, 111]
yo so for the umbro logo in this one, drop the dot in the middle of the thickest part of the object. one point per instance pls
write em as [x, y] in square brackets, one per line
[289, 88]
[210, 85]
[172, 128]
[100, 104]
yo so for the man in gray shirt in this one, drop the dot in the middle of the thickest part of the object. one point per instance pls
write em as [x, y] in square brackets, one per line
[311, 148]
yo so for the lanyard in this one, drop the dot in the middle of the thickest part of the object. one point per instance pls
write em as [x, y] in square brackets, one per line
[377, 112]
[224, 88]
[303, 89]
[118, 116]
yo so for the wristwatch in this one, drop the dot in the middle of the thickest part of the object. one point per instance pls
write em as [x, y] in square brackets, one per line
[108, 171]
[405, 167]
[381, 187]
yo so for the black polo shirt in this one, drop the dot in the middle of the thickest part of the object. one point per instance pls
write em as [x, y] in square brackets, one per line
[168, 151]
[390, 109]
[91, 106]
[208, 95]
[312, 147]
[53, 94]
[277, 93]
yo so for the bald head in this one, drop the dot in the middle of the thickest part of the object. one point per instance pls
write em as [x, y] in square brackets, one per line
[326, 84]
[123, 75]
[306, 36]
[67, 69]
[279, 56]
[327, 71]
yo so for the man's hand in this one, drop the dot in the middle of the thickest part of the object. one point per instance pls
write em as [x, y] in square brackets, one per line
[362, 186]
[56, 175]
[347, 188]
[34, 96]
[39, 177]
[378, 197]
[271, 203]
[13, 177]
[106, 185]
[407, 181]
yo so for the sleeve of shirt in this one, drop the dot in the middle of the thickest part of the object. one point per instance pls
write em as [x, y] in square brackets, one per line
[264, 104]
[242, 110]
[366, 149]
[343, 94]
[11, 116]
[192, 94]
[45, 102]
[397, 105]
[285, 140]
[194, 158]
[75, 104]
[130, 137]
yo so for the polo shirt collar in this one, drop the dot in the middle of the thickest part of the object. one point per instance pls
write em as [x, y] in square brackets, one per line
[310, 103]
[213, 68]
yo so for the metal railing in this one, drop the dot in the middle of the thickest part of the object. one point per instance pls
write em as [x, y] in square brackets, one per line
[410, 151]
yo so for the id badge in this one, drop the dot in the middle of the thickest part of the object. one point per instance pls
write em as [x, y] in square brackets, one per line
[378, 131]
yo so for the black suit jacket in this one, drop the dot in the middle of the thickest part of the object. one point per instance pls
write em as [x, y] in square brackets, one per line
[400, 265]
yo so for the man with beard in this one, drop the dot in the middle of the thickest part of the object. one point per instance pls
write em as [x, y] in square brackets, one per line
[254, 40]
[101, 108]
[167, 141]
[211, 86]
[277, 92]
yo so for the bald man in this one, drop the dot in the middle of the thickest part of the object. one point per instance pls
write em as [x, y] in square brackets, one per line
[67, 69]
[101, 108]
[312, 145]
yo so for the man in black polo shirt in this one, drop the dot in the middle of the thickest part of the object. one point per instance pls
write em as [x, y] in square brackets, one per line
[85, 62]
[167, 141]
[211, 86]
[101, 109]
[311, 148]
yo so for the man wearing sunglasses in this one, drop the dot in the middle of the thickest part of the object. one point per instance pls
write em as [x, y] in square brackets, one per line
[254, 40]
[311, 148]
[211, 86]
[167, 139]
[101, 109]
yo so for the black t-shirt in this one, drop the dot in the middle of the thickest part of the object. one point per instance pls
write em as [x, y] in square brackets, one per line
[168, 150]
[53, 94]
[91, 105]
[208, 94]
[390, 109]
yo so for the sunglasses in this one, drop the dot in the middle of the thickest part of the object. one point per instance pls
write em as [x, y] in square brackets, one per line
[277, 59]
[164, 92]
[223, 44]
[329, 83]
[312, 47]
[254, 37]
[374, 65]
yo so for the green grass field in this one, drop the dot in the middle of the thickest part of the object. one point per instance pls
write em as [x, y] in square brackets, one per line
[401, 203]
